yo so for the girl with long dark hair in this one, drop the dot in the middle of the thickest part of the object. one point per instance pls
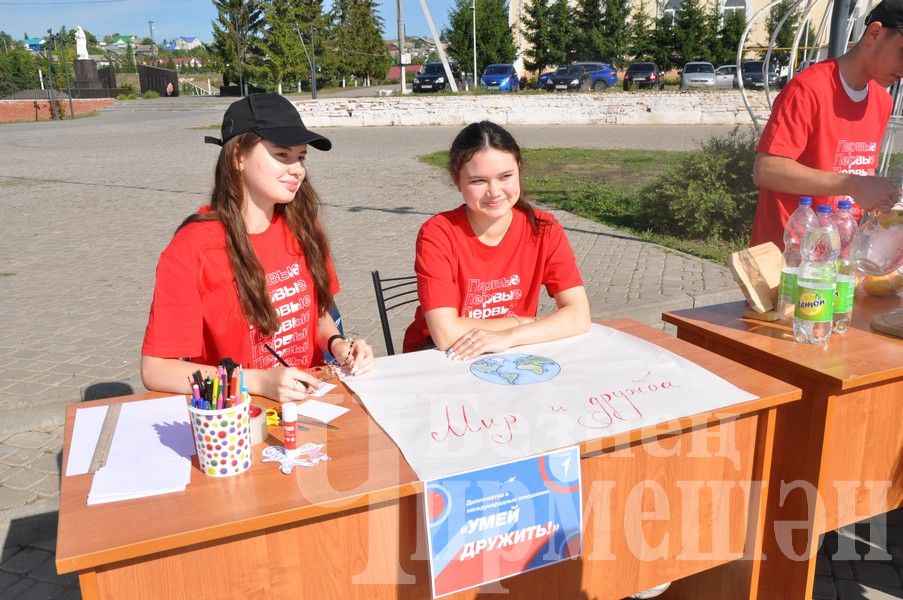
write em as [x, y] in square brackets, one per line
[250, 276]
[480, 266]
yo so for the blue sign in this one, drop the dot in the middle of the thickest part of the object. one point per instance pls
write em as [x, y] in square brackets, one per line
[493, 523]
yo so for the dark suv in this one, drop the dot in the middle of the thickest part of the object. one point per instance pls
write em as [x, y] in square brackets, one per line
[643, 74]
[432, 77]
[754, 75]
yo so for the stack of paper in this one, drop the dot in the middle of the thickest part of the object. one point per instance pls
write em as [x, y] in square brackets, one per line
[150, 453]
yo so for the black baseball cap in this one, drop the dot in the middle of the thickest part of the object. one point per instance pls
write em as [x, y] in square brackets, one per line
[270, 116]
[888, 12]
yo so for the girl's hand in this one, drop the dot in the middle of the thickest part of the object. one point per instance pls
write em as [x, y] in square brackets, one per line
[355, 356]
[283, 384]
[480, 341]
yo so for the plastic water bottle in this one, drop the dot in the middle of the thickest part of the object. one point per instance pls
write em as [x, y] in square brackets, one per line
[846, 273]
[802, 219]
[816, 281]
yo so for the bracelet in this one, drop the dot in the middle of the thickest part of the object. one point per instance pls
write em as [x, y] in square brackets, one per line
[329, 342]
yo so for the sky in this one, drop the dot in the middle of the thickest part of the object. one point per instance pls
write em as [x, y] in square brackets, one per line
[172, 18]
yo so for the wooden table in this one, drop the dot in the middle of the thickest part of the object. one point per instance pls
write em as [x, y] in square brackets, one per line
[844, 442]
[660, 504]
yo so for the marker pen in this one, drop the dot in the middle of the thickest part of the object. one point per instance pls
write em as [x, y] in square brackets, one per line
[290, 428]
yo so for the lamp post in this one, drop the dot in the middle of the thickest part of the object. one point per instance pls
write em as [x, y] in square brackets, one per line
[400, 44]
[50, 74]
[68, 86]
[241, 84]
[473, 8]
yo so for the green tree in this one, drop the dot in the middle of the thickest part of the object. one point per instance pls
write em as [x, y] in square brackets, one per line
[642, 44]
[128, 62]
[588, 40]
[357, 41]
[536, 28]
[616, 31]
[729, 36]
[237, 39]
[495, 42]
[692, 33]
[286, 56]
[18, 69]
[664, 42]
[787, 32]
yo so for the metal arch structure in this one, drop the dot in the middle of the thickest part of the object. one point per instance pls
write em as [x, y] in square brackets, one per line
[820, 41]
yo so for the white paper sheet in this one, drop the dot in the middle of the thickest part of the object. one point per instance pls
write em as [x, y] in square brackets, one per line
[125, 482]
[150, 452]
[85, 433]
[446, 419]
[320, 411]
[322, 390]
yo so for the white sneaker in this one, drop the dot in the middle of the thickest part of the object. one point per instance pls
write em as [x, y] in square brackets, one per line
[651, 592]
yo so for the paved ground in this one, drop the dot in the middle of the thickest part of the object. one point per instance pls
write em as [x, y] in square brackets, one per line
[89, 204]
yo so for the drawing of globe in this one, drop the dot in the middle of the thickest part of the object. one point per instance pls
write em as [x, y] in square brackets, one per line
[515, 369]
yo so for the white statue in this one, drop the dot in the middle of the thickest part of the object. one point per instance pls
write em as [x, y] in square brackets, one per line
[81, 43]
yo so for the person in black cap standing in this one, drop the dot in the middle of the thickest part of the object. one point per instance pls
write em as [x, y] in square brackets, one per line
[826, 127]
[250, 276]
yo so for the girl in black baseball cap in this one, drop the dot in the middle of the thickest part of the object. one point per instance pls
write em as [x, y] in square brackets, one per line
[250, 276]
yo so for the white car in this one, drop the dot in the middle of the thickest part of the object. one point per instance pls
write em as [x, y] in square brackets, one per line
[726, 77]
[697, 74]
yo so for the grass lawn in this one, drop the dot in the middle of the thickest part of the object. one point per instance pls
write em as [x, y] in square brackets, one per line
[603, 185]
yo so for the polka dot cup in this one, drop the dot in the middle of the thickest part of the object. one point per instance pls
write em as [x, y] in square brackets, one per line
[223, 439]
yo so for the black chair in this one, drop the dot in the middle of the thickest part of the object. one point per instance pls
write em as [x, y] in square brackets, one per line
[391, 293]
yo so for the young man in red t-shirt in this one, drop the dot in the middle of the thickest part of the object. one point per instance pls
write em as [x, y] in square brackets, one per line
[826, 127]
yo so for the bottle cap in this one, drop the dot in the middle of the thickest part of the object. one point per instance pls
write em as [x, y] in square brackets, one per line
[845, 204]
[289, 412]
[824, 209]
[805, 200]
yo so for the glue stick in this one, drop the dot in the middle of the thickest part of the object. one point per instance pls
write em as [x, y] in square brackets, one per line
[290, 428]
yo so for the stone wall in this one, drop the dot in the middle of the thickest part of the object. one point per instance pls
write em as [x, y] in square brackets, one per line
[39, 110]
[612, 107]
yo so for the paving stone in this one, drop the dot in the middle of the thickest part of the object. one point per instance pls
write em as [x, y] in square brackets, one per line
[12, 498]
[19, 590]
[49, 487]
[25, 560]
[896, 553]
[875, 573]
[848, 589]
[841, 569]
[48, 462]
[25, 479]
[822, 565]
[48, 544]
[20, 457]
[823, 588]
[46, 571]
[71, 593]
[7, 579]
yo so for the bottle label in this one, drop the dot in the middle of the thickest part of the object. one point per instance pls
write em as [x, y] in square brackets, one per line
[788, 284]
[814, 303]
[289, 434]
[843, 296]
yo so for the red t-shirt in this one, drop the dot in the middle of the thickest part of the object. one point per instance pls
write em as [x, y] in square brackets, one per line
[196, 312]
[815, 123]
[455, 269]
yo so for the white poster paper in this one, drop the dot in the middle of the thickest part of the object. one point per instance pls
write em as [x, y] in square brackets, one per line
[450, 416]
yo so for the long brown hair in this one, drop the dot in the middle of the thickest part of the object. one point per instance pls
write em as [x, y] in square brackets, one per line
[301, 215]
[486, 134]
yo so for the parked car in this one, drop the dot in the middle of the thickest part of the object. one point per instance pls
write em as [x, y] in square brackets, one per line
[583, 76]
[432, 77]
[754, 74]
[783, 79]
[543, 79]
[726, 77]
[601, 75]
[643, 74]
[501, 77]
[568, 77]
[697, 74]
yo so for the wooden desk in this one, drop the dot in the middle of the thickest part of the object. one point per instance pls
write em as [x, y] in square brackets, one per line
[845, 440]
[661, 503]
